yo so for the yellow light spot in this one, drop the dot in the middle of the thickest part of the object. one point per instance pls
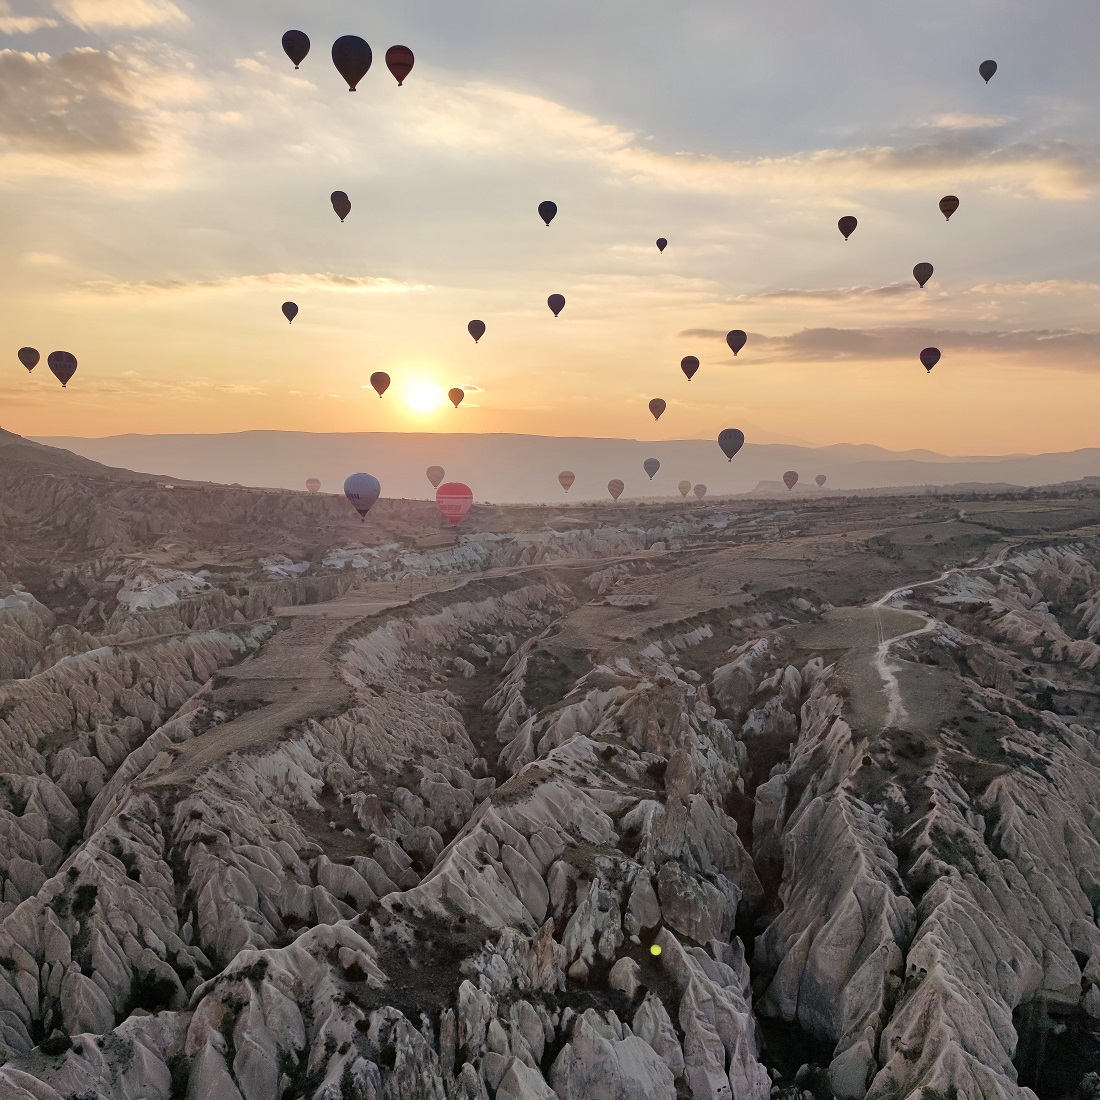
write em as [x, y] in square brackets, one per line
[423, 396]
[655, 949]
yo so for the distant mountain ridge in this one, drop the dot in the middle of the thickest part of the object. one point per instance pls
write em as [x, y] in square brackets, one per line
[524, 468]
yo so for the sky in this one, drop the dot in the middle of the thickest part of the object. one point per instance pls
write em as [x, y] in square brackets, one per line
[165, 177]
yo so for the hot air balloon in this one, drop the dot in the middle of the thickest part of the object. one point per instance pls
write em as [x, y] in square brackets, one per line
[700, 491]
[657, 406]
[615, 487]
[290, 311]
[662, 244]
[651, 466]
[986, 70]
[790, 479]
[456, 395]
[476, 329]
[399, 60]
[689, 365]
[547, 210]
[362, 490]
[922, 273]
[313, 484]
[352, 58]
[731, 440]
[380, 381]
[684, 487]
[63, 365]
[454, 500]
[820, 479]
[435, 475]
[847, 225]
[736, 340]
[556, 302]
[341, 204]
[296, 46]
[929, 357]
[29, 357]
[948, 205]
[566, 479]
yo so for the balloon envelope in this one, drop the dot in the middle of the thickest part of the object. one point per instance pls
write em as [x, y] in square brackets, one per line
[399, 60]
[684, 487]
[63, 365]
[662, 244]
[352, 58]
[615, 487]
[296, 46]
[731, 440]
[547, 210]
[700, 491]
[454, 500]
[290, 311]
[341, 204]
[922, 273]
[380, 381]
[651, 466]
[986, 70]
[556, 302]
[566, 478]
[790, 479]
[689, 365]
[929, 357]
[313, 484]
[847, 225]
[948, 205]
[476, 329]
[435, 475]
[456, 395]
[657, 406]
[736, 340]
[820, 479]
[29, 357]
[362, 490]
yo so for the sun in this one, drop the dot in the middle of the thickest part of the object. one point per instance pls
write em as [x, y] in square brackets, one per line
[423, 396]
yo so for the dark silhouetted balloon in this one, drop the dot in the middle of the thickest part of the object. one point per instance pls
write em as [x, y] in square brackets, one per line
[731, 440]
[435, 475]
[929, 357]
[566, 479]
[948, 205]
[986, 70]
[700, 490]
[547, 211]
[922, 273]
[689, 365]
[380, 381]
[820, 479]
[63, 365]
[290, 311]
[684, 487]
[476, 329]
[362, 490]
[662, 244]
[341, 204]
[615, 487]
[29, 357]
[296, 46]
[352, 58]
[456, 395]
[399, 60]
[556, 302]
[657, 406]
[847, 225]
[736, 340]
[790, 479]
[454, 500]
[313, 484]
[651, 466]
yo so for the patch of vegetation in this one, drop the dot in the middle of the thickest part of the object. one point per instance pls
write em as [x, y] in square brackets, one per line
[84, 898]
[151, 992]
[56, 1044]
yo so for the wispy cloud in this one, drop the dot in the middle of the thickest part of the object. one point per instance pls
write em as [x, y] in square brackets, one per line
[120, 13]
[326, 280]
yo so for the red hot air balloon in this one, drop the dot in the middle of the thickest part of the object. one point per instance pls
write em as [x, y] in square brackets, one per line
[948, 205]
[986, 70]
[731, 440]
[929, 357]
[380, 381]
[689, 365]
[63, 365]
[556, 302]
[736, 340]
[657, 406]
[662, 244]
[820, 479]
[547, 211]
[352, 58]
[341, 204]
[454, 500]
[615, 487]
[847, 225]
[790, 479]
[362, 491]
[313, 484]
[399, 60]
[29, 357]
[700, 491]
[476, 329]
[922, 273]
[296, 46]
[290, 311]
[456, 395]
[651, 466]
[435, 475]
[566, 479]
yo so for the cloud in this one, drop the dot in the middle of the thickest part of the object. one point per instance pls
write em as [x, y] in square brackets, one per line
[960, 121]
[326, 280]
[22, 24]
[832, 294]
[120, 13]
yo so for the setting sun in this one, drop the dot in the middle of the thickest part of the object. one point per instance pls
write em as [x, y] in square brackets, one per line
[422, 395]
